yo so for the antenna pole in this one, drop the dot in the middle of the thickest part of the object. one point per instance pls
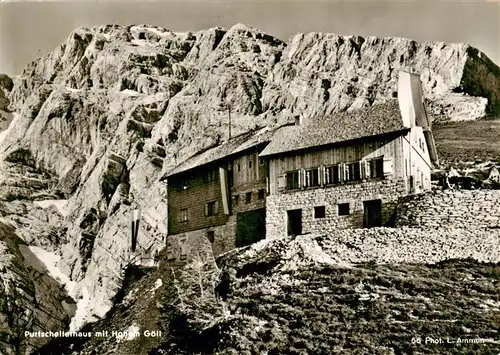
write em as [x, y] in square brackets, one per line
[229, 111]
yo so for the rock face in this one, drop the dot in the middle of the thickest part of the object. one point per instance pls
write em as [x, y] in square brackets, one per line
[97, 120]
[5, 88]
[323, 73]
[31, 300]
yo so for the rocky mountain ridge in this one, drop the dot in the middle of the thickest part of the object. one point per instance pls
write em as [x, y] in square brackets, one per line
[99, 119]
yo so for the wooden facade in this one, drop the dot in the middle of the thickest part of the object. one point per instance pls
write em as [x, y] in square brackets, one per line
[216, 201]
[195, 201]
[399, 155]
[250, 176]
[342, 158]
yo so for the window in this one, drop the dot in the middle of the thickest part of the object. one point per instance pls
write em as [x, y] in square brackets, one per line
[376, 167]
[292, 180]
[182, 185]
[211, 208]
[343, 209]
[236, 199]
[352, 172]
[319, 212]
[261, 161]
[248, 197]
[249, 164]
[211, 236]
[312, 178]
[210, 176]
[184, 215]
[332, 175]
[239, 167]
[261, 194]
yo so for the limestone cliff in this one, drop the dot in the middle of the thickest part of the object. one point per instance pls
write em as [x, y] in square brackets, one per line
[5, 88]
[96, 121]
[30, 299]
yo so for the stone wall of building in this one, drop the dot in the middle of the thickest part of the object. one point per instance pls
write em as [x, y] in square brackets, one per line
[184, 246]
[451, 208]
[277, 206]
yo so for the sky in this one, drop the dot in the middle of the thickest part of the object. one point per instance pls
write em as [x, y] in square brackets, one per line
[31, 29]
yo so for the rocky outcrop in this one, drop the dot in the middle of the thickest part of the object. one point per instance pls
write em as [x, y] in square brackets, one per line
[5, 88]
[324, 73]
[31, 300]
[6, 85]
[36, 226]
[100, 118]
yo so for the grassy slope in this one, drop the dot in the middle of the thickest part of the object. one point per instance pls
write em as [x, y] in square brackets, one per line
[468, 141]
[367, 309]
[324, 311]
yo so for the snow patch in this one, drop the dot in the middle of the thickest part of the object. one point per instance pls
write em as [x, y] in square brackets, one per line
[50, 261]
[129, 92]
[83, 303]
[5, 133]
[82, 309]
[61, 205]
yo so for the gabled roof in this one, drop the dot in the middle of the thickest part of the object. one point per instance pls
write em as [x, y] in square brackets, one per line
[346, 126]
[234, 146]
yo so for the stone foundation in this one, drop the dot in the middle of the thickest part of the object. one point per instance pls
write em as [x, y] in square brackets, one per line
[277, 206]
[184, 246]
[457, 209]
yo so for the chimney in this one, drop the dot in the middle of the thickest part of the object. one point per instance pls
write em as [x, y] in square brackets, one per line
[411, 100]
[413, 112]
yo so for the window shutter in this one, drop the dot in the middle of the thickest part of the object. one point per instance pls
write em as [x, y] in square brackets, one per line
[206, 209]
[216, 207]
[282, 181]
[321, 175]
[367, 169]
[388, 167]
[362, 170]
[341, 172]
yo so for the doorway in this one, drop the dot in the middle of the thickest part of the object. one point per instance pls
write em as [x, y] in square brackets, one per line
[372, 213]
[250, 227]
[294, 222]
